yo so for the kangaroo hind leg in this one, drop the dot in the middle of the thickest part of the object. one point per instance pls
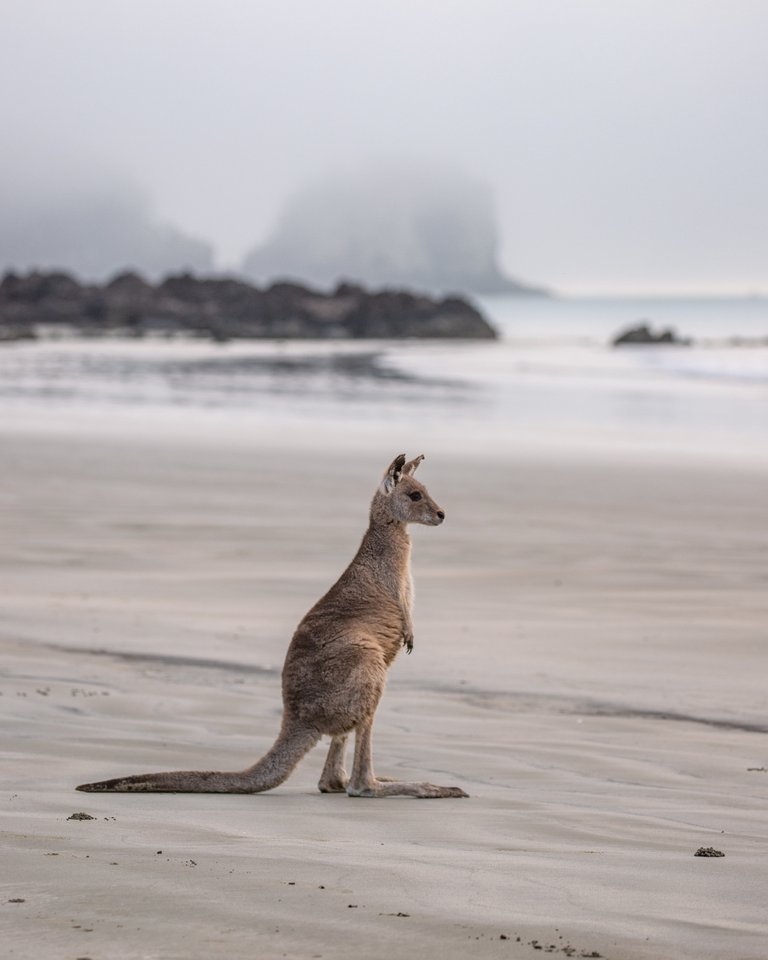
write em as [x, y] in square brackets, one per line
[334, 778]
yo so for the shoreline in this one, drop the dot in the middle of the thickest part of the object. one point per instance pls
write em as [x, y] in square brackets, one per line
[500, 403]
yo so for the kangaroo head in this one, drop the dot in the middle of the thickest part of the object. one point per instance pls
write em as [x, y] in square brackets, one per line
[402, 498]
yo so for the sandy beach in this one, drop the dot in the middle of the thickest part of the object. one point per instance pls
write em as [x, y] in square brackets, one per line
[590, 666]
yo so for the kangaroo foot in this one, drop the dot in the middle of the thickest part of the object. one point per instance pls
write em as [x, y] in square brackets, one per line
[334, 778]
[335, 784]
[403, 788]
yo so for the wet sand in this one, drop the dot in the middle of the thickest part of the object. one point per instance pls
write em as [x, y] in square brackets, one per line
[589, 666]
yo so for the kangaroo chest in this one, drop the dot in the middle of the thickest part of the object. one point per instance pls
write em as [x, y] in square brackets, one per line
[400, 580]
[391, 559]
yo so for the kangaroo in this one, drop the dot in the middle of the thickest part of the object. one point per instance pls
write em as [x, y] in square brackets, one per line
[336, 666]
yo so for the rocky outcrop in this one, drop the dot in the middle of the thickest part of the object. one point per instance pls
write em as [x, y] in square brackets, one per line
[643, 334]
[426, 229]
[224, 308]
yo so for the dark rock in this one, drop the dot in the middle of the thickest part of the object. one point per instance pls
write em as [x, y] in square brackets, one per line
[708, 852]
[224, 308]
[40, 298]
[643, 334]
[128, 288]
[38, 287]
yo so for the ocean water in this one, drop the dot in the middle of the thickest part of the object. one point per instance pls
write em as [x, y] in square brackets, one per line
[552, 381]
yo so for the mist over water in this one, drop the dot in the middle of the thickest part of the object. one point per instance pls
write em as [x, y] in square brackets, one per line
[61, 211]
[623, 145]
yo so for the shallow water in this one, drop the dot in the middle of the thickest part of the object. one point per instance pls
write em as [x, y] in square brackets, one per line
[551, 379]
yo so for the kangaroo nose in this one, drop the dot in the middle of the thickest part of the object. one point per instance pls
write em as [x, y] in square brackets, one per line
[441, 515]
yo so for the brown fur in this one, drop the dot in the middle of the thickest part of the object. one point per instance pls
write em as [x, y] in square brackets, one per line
[336, 666]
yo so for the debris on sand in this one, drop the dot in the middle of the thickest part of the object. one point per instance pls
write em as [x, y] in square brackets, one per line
[708, 852]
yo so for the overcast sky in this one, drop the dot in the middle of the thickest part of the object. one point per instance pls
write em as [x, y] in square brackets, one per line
[626, 140]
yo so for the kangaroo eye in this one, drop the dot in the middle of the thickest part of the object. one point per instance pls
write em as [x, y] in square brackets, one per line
[415, 496]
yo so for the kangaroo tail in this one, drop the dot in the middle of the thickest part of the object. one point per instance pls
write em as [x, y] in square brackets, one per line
[274, 767]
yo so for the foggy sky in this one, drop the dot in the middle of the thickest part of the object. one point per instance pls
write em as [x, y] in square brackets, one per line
[626, 141]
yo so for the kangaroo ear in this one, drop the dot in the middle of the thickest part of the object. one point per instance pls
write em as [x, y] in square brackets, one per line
[392, 476]
[411, 466]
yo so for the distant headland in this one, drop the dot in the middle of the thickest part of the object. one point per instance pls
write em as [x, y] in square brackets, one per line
[221, 308]
[424, 228]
